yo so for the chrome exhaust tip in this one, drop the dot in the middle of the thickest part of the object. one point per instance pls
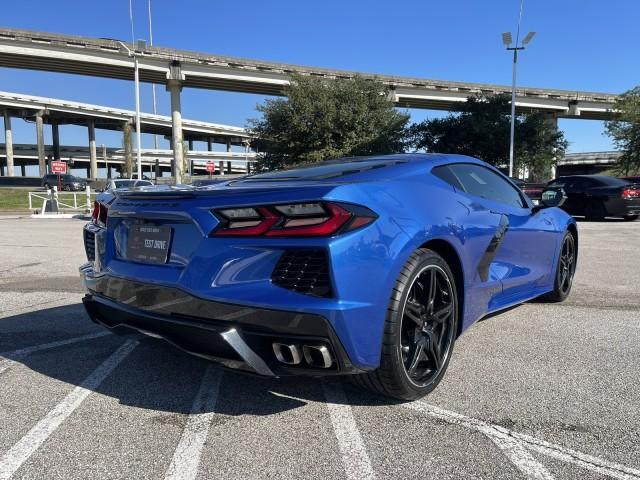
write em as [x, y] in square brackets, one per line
[287, 353]
[317, 356]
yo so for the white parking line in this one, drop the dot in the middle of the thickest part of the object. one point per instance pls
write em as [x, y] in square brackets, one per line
[558, 452]
[186, 458]
[17, 355]
[354, 455]
[11, 461]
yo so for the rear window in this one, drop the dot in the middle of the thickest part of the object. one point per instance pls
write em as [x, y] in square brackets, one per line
[326, 170]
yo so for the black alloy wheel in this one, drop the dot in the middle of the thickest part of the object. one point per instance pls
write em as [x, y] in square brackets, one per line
[419, 332]
[426, 333]
[565, 270]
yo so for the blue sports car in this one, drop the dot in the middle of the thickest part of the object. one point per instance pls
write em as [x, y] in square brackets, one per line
[370, 267]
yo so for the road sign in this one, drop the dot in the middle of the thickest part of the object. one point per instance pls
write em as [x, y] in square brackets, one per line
[211, 167]
[58, 167]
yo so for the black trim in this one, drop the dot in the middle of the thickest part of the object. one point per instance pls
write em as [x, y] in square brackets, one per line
[492, 248]
[196, 325]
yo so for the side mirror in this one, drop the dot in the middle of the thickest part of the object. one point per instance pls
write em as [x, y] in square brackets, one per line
[551, 197]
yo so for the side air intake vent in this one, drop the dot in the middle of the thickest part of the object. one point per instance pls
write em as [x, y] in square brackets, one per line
[90, 245]
[303, 271]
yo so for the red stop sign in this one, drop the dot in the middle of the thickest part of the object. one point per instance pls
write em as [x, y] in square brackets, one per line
[58, 167]
[211, 167]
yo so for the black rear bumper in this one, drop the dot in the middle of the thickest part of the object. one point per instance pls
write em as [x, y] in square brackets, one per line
[236, 336]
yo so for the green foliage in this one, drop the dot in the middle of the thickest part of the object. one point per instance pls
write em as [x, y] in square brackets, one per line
[481, 127]
[624, 129]
[322, 119]
[127, 143]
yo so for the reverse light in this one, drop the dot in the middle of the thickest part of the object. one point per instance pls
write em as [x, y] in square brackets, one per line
[311, 219]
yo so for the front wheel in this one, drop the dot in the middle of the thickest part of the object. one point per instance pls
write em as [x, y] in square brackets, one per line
[565, 269]
[420, 330]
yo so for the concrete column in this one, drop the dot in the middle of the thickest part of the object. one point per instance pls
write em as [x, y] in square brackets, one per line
[174, 86]
[42, 166]
[93, 154]
[228, 150]
[23, 170]
[221, 167]
[8, 141]
[209, 145]
[55, 136]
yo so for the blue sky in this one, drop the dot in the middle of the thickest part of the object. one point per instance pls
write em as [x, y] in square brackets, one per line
[580, 45]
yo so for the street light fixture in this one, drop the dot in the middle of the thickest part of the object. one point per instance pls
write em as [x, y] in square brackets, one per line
[507, 40]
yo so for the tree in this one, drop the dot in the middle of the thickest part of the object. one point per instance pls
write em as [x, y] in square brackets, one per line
[624, 129]
[322, 119]
[481, 127]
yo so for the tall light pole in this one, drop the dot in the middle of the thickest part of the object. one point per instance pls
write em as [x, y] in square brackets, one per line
[507, 40]
[153, 85]
[136, 80]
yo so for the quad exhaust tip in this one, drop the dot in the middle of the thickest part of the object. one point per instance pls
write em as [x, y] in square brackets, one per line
[287, 353]
[317, 356]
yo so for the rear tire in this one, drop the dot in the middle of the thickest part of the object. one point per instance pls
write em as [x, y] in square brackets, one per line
[631, 218]
[419, 332]
[565, 270]
[595, 210]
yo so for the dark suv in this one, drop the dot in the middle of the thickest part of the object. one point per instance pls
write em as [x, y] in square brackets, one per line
[67, 182]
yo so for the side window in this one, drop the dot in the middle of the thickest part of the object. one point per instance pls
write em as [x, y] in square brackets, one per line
[482, 182]
[443, 172]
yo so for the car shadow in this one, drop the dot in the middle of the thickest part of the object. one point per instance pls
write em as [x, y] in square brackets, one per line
[155, 375]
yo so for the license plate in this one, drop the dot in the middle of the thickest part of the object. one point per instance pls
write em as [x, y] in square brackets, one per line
[148, 244]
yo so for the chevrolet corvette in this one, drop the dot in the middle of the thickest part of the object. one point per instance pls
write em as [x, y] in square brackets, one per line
[369, 267]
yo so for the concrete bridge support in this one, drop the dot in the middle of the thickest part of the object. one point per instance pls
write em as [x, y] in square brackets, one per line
[55, 137]
[174, 86]
[42, 165]
[93, 154]
[8, 141]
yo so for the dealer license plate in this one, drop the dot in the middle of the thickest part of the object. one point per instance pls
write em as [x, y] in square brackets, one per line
[148, 243]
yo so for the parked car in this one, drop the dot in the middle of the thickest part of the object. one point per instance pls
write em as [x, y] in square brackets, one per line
[369, 267]
[532, 190]
[126, 183]
[65, 182]
[599, 196]
[632, 179]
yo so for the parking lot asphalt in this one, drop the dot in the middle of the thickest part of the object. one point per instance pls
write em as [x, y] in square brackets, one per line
[541, 391]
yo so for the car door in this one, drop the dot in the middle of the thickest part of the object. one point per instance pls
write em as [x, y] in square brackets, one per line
[522, 252]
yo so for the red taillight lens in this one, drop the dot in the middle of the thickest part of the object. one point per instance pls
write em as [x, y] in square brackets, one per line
[100, 213]
[96, 211]
[633, 192]
[294, 220]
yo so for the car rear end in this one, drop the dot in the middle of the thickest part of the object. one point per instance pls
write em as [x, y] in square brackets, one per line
[533, 191]
[631, 200]
[266, 279]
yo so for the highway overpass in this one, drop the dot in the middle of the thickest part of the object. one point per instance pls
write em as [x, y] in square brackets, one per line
[109, 58]
[178, 68]
[58, 112]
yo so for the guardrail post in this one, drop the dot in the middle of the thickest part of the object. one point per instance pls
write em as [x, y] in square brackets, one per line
[88, 192]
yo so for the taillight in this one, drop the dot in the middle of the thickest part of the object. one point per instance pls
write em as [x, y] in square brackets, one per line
[633, 192]
[99, 214]
[317, 219]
